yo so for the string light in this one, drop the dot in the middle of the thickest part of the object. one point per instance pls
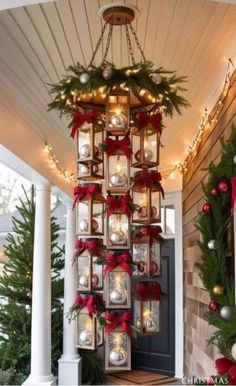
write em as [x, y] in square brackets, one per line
[207, 121]
[54, 163]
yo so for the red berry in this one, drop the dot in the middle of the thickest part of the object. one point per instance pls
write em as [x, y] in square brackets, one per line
[206, 208]
[214, 192]
[223, 186]
[213, 305]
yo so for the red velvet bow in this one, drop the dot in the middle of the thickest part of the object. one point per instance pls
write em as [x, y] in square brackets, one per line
[154, 120]
[118, 321]
[86, 192]
[233, 191]
[224, 365]
[121, 145]
[118, 204]
[94, 246]
[79, 119]
[152, 291]
[89, 302]
[153, 233]
[114, 260]
[148, 179]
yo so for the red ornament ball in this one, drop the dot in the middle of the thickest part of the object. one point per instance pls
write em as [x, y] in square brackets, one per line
[213, 305]
[95, 225]
[206, 208]
[214, 192]
[141, 266]
[153, 267]
[223, 186]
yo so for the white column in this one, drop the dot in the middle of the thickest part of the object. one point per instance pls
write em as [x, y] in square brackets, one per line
[41, 298]
[70, 362]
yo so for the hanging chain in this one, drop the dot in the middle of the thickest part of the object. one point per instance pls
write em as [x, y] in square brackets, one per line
[137, 42]
[98, 44]
[130, 48]
[108, 43]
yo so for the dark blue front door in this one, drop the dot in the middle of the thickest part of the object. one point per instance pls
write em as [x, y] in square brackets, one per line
[157, 352]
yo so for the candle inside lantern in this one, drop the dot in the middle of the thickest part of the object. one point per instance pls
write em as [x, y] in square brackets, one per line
[117, 235]
[119, 178]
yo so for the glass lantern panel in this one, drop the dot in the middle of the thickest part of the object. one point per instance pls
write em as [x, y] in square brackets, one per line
[118, 227]
[82, 217]
[141, 199]
[118, 113]
[118, 288]
[84, 143]
[97, 222]
[136, 148]
[156, 206]
[99, 334]
[117, 171]
[151, 316]
[98, 140]
[117, 349]
[150, 146]
[155, 263]
[97, 278]
[85, 331]
[83, 273]
[137, 313]
[140, 255]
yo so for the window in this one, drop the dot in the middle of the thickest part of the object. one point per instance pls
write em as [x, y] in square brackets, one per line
[168, 220]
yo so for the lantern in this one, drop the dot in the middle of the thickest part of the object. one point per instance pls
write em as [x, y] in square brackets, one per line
[90, 271]
[118, 155]
[146, 194]
[117, 281]
[118, 112]
[89, 207]
[145, 138]
[117, 344]
[146, 246]
[147, 308]
[89, 333]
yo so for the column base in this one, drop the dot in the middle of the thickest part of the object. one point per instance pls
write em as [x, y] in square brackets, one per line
[69, 371]
[44, 380]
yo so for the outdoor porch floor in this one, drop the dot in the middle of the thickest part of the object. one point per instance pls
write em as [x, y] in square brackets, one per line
[139, 377]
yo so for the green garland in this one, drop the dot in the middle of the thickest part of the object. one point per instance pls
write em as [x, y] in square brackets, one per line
[214, 269]
[139, 77]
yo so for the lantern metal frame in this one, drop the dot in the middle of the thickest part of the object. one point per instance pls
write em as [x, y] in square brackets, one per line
[108, 366]
[137, 298]
[117, 94]
[116, 246]
[145, 240]
[95, 324]
[142, 134]
[90, 259]
[106, 292]
[149, 219]
[93, 160]
[93, 200]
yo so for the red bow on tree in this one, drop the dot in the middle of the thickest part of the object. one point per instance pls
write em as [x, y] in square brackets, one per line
[90, 302]
[153, 233]
[94, 246]
[119, 205]
[152, 291]
[233, 191]
[82, 193]
[122, 321]
[78, 119]
[224, 365]
[118, 145]
[122, 260]
[148, 179]
[154, 120]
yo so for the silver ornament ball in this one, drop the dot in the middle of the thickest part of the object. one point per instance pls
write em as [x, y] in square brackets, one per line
[118, 238]
[156, 78]
[234, 160]
[118, 357]
[118, 179]
[149, 325]
[226, 312]
[85, 338]
[84, 170]
[83, 226]
[118, 120]
[84, 151]
[211, 245]
[84, 78]
[83, 281]
[148, 154]
[107, 72]
[117, 297]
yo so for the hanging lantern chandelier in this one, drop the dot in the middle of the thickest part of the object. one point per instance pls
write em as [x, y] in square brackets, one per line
[117, 120]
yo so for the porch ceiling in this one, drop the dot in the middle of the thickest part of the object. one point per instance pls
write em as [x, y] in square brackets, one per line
[38, 42]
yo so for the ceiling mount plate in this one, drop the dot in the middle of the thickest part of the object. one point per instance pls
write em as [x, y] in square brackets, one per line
[118, 13]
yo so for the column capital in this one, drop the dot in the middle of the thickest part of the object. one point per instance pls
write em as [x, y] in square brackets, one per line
[42, 185]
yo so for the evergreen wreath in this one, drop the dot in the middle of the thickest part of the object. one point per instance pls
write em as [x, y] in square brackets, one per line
[216, 268]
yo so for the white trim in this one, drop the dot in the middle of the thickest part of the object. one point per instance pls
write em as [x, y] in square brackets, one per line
[175, 198]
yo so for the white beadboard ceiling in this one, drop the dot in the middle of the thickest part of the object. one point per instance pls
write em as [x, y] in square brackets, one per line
[38, 42]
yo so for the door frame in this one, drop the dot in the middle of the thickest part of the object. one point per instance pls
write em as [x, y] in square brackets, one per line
[175, 199]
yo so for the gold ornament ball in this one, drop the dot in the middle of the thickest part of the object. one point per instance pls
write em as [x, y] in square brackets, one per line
[218, 290]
